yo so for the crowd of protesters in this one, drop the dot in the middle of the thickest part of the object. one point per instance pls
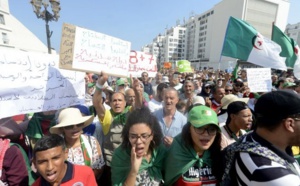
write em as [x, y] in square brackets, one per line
[182, 129]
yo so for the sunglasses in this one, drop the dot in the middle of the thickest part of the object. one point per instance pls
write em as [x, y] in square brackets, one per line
[80, 125]
[228, 90]
[207, 87]
[239, 85]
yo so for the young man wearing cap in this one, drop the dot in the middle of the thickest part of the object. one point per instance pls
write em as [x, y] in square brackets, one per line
[49, 157]
[238, 86]
[238, 121]
[113, 120]
[264, 157]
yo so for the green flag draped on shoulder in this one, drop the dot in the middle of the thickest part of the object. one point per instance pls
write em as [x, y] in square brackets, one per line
[180, 158]
[121, 164]
[243, 42]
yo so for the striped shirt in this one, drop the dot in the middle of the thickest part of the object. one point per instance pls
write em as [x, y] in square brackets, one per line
[251, 169]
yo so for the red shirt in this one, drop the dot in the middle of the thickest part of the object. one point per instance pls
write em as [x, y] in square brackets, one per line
[75, 175]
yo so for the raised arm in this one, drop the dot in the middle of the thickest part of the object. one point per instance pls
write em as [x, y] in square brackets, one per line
[138, 91]
[97, 98]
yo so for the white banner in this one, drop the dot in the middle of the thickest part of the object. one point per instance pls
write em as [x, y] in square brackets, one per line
[32, 82]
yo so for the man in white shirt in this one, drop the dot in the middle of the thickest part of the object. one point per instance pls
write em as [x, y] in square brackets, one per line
[156, 102]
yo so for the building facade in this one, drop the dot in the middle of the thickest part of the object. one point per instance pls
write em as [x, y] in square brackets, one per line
[14, 35]
[293, 31]
[204, 33]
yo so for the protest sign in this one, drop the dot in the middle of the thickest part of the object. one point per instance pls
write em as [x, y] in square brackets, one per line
[90, 51]
[140, 62]
[167, 65]
[32, 82]
[259, 79]
[184, 66]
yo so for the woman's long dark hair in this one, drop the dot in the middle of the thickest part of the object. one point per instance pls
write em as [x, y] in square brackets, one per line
[142, 115]
[214, 149]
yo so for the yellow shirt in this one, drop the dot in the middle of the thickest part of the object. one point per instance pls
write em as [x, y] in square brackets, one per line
[107, 120]
[296, 150]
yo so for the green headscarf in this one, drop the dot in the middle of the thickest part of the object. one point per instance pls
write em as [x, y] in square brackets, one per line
[180, 158]
[121, 164]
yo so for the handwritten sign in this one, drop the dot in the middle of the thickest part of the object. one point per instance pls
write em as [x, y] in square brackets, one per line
[32, 82]
[259, 79]
[91, 51]
[140, 62]
[67, 46]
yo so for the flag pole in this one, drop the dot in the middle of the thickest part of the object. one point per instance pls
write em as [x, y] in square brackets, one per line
[224, 42]
[272, 35]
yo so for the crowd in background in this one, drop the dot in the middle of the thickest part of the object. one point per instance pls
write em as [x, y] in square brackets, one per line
[171, 129]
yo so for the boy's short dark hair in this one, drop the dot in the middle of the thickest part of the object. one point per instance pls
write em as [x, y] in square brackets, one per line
[48, 142]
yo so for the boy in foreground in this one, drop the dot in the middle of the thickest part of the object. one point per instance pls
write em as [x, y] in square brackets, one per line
[49, 158]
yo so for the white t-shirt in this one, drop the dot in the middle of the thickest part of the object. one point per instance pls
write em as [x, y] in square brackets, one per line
[154, 105]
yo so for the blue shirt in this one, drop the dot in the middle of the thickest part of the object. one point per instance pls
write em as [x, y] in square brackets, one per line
[148, 88]
[178, 121]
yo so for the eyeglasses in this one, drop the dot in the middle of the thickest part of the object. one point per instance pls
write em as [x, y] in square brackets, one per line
[134, 138]
[211, 130]
[72, 126]
[228, 90]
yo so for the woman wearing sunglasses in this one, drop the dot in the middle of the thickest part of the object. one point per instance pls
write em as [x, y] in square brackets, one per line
[82, 149]
[138, 160]
[194, 157]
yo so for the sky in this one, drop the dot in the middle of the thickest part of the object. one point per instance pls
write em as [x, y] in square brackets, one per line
[136, 21]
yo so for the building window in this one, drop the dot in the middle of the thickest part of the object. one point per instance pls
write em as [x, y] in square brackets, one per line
[5, 38]
[2, 19]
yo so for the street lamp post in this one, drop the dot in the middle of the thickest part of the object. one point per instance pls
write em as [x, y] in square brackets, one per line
[46, 15]
[159, 45]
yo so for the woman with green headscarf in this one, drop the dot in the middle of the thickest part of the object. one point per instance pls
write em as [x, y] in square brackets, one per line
[195, 155]
[139, 159]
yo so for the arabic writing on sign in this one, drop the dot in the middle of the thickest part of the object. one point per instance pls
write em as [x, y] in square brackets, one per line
[33, 82]
[259, 79]
[95, 51]
[66, 46]
[140, 62]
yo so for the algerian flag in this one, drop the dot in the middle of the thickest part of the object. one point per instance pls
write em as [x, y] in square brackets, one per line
[287, 46]
[243, 42]
[235, 71]
[297, 63]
